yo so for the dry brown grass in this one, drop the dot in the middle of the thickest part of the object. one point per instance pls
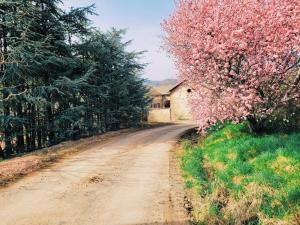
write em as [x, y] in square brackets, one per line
[232, 156]
[238, 212]
[283, 165]
[238, 179]
[243, 210]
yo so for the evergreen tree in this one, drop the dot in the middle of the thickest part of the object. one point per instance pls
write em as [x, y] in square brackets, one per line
[60, 79]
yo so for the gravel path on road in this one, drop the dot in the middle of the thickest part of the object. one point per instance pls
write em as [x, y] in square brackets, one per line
[131, 180]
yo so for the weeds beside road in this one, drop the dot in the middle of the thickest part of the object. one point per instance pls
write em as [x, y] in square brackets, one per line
[235, 177]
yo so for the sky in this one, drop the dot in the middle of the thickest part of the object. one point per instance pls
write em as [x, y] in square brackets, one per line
[142, 20]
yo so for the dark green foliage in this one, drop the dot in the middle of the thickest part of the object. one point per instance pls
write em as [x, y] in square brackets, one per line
[282, 120]
[60, 79]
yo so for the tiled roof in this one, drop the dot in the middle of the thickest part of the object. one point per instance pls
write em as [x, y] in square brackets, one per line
[162, 90]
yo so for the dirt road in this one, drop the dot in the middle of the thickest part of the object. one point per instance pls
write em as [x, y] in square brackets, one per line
[128, 181]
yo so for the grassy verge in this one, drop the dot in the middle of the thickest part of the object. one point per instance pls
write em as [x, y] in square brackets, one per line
[235, 177]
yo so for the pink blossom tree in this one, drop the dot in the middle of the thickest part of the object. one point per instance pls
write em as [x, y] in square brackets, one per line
[241, 57]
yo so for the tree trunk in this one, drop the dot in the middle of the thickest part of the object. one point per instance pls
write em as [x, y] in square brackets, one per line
[20, 130]
[39, 131]
[255, 126]
[8, 151]
[33, 129]
[51, 133]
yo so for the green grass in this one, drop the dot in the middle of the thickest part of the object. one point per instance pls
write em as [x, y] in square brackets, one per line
[235, 171]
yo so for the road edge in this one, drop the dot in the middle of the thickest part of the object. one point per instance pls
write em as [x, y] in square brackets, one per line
[30, 163]
[178, 196]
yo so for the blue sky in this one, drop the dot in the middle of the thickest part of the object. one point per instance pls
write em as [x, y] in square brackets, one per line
[142, 20]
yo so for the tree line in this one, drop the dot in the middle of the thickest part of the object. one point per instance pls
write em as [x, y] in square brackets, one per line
[60, 78]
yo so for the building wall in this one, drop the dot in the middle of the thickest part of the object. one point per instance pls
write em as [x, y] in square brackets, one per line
[159, 115]
[180, 109]
[157, 100]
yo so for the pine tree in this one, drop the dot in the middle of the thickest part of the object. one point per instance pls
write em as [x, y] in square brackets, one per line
[61, 79]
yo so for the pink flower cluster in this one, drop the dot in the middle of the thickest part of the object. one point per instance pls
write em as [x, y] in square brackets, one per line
[241, 57]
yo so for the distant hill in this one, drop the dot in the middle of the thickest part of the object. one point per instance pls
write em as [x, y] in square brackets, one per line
[156, 83]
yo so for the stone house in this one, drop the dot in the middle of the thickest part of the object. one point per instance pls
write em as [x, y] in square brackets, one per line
[169, 103]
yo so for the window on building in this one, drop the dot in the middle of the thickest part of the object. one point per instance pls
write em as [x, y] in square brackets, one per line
[167, 104]
[155, 105]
